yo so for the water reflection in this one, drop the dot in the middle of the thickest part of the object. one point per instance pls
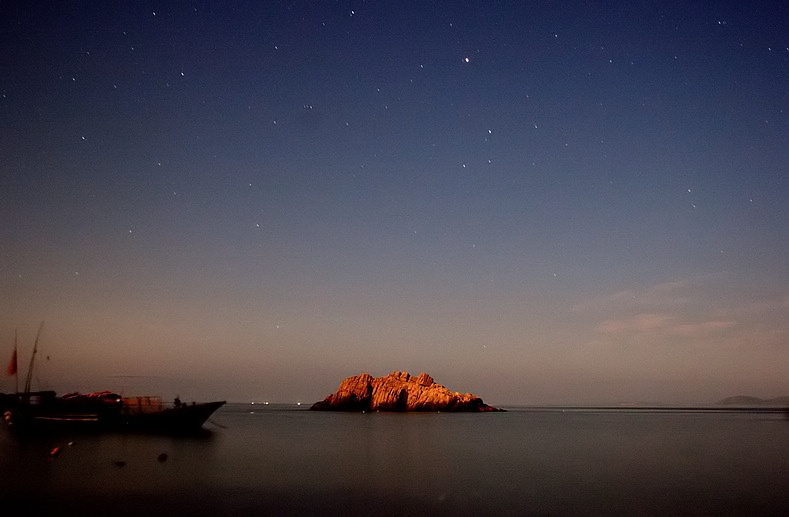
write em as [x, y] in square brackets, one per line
[288, 461]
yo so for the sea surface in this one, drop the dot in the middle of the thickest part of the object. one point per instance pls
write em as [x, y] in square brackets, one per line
[286, 460]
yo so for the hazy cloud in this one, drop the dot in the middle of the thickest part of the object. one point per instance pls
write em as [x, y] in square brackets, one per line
[689, 309]
[661, 323]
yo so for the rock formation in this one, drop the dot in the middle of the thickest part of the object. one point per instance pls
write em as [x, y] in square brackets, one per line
[398, 391]
[745, 400]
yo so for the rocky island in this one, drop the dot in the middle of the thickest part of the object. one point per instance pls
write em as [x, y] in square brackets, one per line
[398, 391]
[745, 400]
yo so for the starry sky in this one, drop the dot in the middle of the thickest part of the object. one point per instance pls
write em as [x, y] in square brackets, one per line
[538, 202]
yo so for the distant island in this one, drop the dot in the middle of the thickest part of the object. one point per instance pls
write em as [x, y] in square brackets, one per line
[398, 391]
[745, 400]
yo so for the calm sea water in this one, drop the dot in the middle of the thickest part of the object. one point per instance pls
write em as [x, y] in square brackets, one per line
[284, 460]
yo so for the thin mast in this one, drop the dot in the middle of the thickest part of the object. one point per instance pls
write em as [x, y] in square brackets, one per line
[29, 379]
[16, 370]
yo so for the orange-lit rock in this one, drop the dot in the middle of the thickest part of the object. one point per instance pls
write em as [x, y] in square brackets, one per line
[398, 391]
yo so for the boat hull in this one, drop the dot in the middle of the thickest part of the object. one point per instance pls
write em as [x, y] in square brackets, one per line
[43, 411]
[176, 419]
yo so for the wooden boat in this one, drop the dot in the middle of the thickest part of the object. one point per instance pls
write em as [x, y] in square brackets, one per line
[103, 410]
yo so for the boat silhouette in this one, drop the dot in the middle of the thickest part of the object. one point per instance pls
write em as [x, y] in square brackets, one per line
[103, 410]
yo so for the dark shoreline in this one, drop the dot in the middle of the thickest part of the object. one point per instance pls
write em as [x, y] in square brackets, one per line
[652, 409]
[280, 406]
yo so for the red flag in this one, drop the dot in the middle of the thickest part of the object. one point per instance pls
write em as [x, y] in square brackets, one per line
[12, 364]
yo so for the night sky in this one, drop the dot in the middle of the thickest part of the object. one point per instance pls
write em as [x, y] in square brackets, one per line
[537, 202]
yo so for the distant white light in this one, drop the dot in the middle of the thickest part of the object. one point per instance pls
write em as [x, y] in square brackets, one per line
[466, 59]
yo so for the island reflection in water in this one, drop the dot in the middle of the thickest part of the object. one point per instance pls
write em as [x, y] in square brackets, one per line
[286, 460]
